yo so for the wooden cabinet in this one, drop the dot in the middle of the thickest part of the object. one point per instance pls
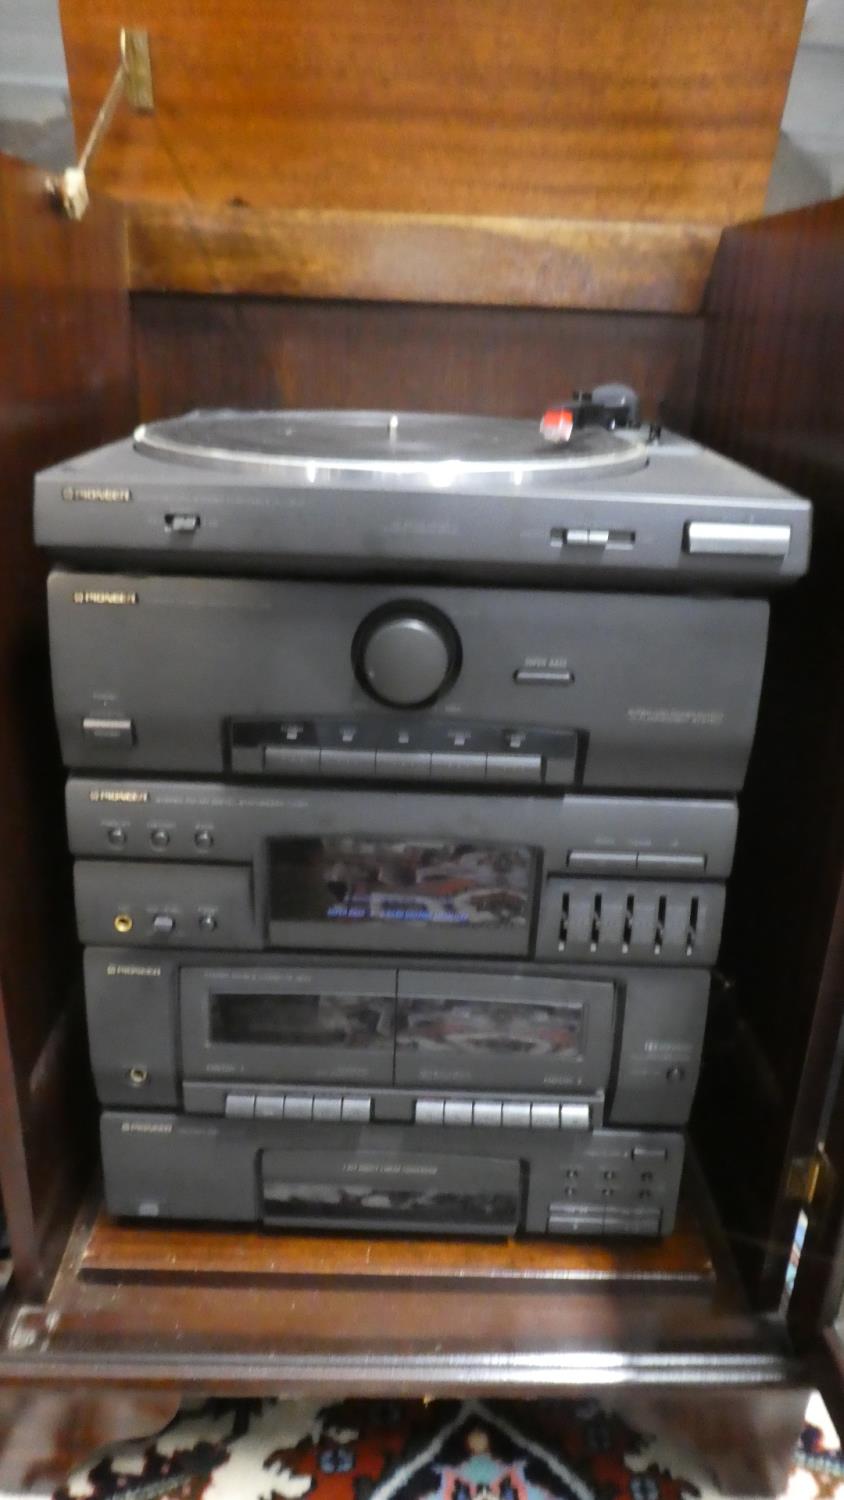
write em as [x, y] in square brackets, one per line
[142, 313]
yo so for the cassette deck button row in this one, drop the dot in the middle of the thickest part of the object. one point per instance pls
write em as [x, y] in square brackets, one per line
[513, 1114]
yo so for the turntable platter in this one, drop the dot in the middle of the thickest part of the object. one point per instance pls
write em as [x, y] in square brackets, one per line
[415, 445]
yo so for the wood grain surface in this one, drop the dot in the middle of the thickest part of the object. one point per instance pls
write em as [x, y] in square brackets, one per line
[66, 383]
[661, 110]
[421, 258]
[245, 351]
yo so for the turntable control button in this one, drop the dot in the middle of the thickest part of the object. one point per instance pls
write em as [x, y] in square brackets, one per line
[116, 837]
[461, 766]
[545, 1116]
[203, 838]
[163, 924]
[406, 658]
[675, 1075]
[207, 922]
[159, 838]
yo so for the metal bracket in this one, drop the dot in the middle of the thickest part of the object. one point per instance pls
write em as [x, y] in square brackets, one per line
[810, 1179]
[133, 78]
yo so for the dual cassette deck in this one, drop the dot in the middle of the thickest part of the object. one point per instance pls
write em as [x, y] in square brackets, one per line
[404, 754]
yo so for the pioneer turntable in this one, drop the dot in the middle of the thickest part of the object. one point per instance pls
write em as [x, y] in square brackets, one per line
[381, 492]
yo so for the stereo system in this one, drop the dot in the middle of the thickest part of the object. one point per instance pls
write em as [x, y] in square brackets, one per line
[403, 759]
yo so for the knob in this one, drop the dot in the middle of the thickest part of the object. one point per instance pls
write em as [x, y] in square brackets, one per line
[406, 654]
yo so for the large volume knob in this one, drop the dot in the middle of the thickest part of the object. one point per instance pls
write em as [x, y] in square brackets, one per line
[406, 654]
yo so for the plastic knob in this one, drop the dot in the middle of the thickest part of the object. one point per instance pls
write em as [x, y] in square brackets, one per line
[406, 656]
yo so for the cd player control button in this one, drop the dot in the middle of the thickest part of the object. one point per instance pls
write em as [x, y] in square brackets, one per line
[327, 1110]
[671, 864]
[207, 922]
[516, 1115]
[543, 677]
[457, 767]
[406, 658]
[163, 923]
[545, 1116]
[649, 1153]
[116, 837]
[269, 1106]
[356, 1111]
[575, 1116]
[591, 861]
[109, 731]
[204, 838]
[405, 765]
[736, 539]
[561, 1220]
[517, 768]
[486, 1112]
[292, 759]
[457, 1112]
[298, 1106]
[240, 1106]
[429, 1111]
[675, 1075]
[159, 838]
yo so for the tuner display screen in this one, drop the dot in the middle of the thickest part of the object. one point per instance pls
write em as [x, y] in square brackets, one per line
[429, 883]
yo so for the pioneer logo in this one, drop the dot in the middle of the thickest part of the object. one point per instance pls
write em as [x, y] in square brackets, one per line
[104, 596]
[102, 494]
[699, 717]
[110, 794]
[145, 1127]
[132, 971]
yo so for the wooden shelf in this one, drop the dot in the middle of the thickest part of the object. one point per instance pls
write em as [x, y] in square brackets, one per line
[250, 1312]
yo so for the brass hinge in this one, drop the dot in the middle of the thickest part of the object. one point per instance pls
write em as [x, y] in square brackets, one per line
[809, 1178]
[133, 82]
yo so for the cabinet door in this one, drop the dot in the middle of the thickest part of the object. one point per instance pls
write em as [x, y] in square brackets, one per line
[66, 384]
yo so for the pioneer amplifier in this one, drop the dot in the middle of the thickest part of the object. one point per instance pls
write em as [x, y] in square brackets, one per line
[498, 687]
[411, 495]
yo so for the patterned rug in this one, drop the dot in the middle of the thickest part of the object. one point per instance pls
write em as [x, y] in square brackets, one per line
[411, 1450]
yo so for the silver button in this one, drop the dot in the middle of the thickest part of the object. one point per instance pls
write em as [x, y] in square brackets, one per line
[542, 677]
[298, 1106]
[457, 1112]
[545, 1116]
[269, 1106]
[163, 923]
[486, 1112]
[403, 765]
[516, 1114]
[327, 1110]
[575, 1116]
[671, 864]
[356, 1111]
[518, 768]
[240, 1106]
[429, 1111]
[591, 861]
[109, 731]
[736, 539]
